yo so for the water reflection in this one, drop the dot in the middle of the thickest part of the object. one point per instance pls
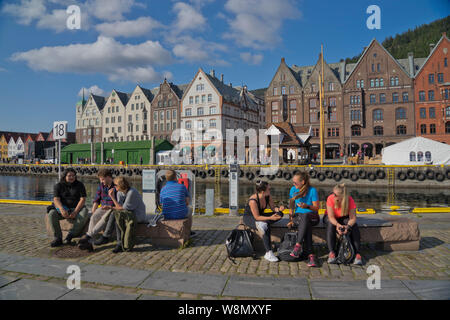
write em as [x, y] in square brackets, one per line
[41, 188]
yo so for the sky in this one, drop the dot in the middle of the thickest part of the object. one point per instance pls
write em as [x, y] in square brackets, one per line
[44, 64]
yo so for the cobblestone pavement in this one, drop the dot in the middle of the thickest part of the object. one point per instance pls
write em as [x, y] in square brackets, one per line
[22, 231]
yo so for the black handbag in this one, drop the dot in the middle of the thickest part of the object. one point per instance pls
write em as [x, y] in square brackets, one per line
[239, 244]
[286, 247]
[346, 253]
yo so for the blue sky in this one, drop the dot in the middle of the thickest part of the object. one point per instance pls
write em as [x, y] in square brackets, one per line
[121, 43]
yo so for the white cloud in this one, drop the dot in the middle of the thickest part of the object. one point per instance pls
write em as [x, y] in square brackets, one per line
[198, 50]
[188, 18]
[257, 23]
[106, 56]
[254, 59]
[2, 69]
[130, 28]
[200, 3]
[93, 89]
[109, 10]
[27, 11]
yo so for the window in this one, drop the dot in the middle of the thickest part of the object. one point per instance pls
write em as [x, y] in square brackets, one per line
[155, 115]
[174, 114]
[401, 130]
[161, 115]
[362, 83]
[423, 129]
[119, 119]
[440, 77]
[381, 82]
[200, 111]
[421, 95]
[378, 131]
[197, 99]
[396, 81]
[200, 124]
[107, 120]
[432, 128]
[447, 112]
[420, 156]
[382, 98]
[188, 124]
[378, 67]
[423, 113]
[107, 130]
[283, 90]
[137, 117]
[312, 103]
[275, 91]
[168, 114]
[331, 86]
[377, 84]
[447, 127]
[174, 126]
[203, 98]
[188, 112]
[373, 99]
[155, 127]
[446, 94]
[412, 156]
[432, 113]
[445, 62]
[130, 118]
[212, 123]
[191, 100]
[405, 96]
[355, 115]
[395, 97]
[431, 95]
[358, 84]
[159, 103]
[373, 67]
[119, 129]
[209, 97]
[427, 156]
[164, 103]
[168, 127]
[431, 78]
[212, 110]
[332, 102]
[356, 131]
[378, 115]
[137, 127]
[332, 115]
[291, 90]
[275, 106]
[313, 116]
[400, 113]
[372, 83]
[333, 132]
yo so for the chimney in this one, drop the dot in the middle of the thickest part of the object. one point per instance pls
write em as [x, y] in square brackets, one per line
[444, 34]
[411, 64]
[212, 73]
[431, 47]
[221, 77]
[282, 60]
[343, 65]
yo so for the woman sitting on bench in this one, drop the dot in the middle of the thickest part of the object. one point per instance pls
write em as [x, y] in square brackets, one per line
[256, 218]
[341, 217]
[303, 207]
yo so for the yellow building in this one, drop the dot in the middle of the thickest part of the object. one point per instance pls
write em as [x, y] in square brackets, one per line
[3, 147]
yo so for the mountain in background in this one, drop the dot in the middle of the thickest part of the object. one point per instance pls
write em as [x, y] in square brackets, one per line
[417, 41]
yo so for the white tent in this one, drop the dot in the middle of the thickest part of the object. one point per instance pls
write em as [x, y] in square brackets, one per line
[416, 151]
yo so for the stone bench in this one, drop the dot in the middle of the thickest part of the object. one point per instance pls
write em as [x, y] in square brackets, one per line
[169, 233]
[388, 233]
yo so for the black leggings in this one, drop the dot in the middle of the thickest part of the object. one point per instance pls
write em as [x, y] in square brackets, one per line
[331, 233]
[305, 222]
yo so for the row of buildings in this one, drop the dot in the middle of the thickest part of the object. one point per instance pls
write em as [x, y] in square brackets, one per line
[370, 104]
[30, 146]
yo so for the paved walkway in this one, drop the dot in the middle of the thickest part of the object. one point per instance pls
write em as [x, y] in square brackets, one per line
[29, 266]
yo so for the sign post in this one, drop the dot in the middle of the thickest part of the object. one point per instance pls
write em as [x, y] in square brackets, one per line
[234, 189]
[149, 190]
[59, 133]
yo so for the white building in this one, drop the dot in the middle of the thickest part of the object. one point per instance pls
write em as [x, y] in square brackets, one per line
[89, 119]
[114, 123]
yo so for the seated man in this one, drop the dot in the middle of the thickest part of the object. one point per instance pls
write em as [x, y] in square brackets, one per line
[174, 198]
[101, 219]
[68, 203]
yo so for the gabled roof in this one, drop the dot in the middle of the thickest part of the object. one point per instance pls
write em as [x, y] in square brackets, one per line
[179, 89]
[387, 52]
[431, 53]
[228, 93]
[124, 97]
[289, 133]
[148, 93]
[99, 101]
[333, 67]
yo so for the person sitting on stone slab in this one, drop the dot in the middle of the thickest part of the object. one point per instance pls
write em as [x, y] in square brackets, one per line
[174, 198]
[101, 217]
[256, 218]
[129, 205]
[341, 217]
[68, 203]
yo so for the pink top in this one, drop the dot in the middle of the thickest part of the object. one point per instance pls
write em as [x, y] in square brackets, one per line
[337, 212]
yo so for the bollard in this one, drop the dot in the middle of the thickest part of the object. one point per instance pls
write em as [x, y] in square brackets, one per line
[209, 202]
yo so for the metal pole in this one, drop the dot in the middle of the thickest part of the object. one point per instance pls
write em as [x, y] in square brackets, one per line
[59, 159]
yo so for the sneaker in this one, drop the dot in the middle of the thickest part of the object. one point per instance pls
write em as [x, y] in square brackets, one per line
[358, 260]
[86, 246]
[312, 261]
[270, 256]
[84, 239]
[297, 251]
[102, 240]
[68, 239]
[331, 258]
[117, 249]
[56, 243]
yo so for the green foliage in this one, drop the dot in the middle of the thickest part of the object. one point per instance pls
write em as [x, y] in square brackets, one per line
[417, 41]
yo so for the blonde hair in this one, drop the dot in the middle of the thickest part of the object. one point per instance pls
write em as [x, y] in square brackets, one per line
[302, 176]
[122, 183]
[344, 203]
